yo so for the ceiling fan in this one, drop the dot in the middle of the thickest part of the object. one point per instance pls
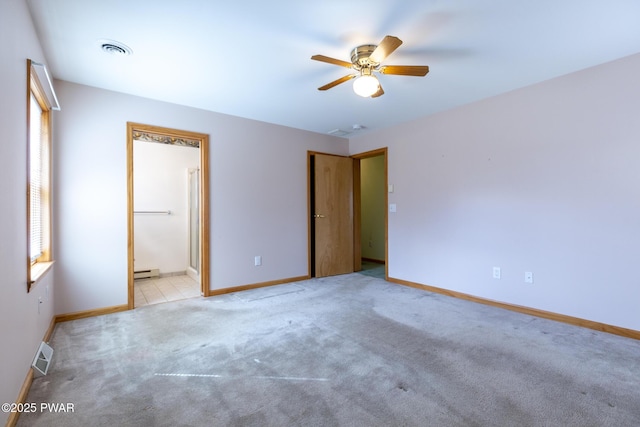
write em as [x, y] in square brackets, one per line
[365, 60]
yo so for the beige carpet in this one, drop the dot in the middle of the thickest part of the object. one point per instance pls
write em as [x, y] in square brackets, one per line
[351, 350]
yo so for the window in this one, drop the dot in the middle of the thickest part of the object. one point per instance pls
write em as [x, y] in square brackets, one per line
[41, 100]
[37, 181]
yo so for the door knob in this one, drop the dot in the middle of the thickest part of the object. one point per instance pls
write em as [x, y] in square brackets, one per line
[318, 216]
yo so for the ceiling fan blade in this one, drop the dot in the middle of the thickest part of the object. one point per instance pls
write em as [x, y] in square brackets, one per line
[405, 70]
[334, 61]
[385, 48]
[337, 82]
[380, 92]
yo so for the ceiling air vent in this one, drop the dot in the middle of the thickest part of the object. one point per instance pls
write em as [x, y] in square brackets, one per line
[338, 132]
[115, 48]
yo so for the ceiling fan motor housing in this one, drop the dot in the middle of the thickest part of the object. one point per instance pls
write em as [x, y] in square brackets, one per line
[360, 56]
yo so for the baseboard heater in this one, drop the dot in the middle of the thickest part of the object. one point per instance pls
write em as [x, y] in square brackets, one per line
[145, 274]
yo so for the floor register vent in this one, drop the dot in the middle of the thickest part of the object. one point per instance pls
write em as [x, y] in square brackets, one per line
[42, 361]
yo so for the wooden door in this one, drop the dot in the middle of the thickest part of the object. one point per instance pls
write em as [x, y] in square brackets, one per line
[333, 216]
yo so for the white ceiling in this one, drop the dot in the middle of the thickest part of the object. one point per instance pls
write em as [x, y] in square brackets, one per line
[251, 58]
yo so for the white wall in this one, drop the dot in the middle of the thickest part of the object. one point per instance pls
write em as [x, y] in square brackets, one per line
[543, 179]
[21, 327]
[258, 194]
[160, 183]
[373, 207]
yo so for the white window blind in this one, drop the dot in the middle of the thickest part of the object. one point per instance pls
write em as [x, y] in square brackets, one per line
[37, 179]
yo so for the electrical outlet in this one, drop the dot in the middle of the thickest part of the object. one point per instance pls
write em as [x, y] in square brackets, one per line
[496, 273]
[528, 277]
[257, 260]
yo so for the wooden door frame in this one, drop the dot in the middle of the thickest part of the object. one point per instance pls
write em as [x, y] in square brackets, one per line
[203, 141]
[357, 207]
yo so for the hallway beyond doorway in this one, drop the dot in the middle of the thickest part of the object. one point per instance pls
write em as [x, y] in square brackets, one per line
[373, 269]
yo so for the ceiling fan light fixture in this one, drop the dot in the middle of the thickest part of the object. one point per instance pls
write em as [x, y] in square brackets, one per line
[366, 85]
[366, 59]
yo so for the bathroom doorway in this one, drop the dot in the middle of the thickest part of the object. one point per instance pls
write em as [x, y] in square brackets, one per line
[168, 214]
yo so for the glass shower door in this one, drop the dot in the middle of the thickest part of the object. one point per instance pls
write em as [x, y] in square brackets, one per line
[194, 221]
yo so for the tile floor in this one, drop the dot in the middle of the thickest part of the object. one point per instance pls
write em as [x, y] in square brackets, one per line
[164, 289]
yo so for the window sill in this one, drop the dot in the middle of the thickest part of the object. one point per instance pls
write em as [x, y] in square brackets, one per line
[38, 270]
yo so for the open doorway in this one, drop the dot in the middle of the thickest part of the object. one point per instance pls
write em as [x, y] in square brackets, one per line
[344, 235]
[371, 192]
[168, 212]
[373, 215]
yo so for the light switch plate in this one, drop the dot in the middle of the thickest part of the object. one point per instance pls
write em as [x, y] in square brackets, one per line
[392, 207]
